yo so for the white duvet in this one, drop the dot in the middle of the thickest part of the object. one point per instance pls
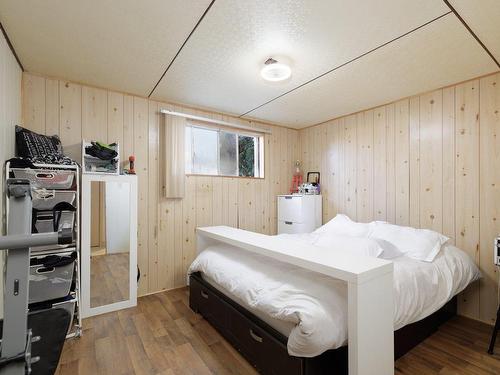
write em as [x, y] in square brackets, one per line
[311, 309]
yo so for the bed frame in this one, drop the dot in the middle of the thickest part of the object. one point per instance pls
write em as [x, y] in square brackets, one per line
[265, 348]
[370, 302]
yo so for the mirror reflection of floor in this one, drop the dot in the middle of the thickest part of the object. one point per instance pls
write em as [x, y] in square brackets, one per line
[98, 251]
[109, 278]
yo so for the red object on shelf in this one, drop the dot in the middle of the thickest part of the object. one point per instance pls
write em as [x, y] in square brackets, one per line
[297, 179]
[131, 160]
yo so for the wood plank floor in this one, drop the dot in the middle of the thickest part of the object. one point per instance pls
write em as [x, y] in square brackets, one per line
[163, 336]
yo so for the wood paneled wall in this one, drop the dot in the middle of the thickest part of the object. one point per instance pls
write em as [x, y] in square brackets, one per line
[10, 115]
[166, 227]
[429, 161]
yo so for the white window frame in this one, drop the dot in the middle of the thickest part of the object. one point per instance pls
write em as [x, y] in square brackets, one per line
[258, 151]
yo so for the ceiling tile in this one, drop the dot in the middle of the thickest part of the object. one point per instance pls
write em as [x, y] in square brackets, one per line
[483, 18]
[439, 54]
[219, 66]
[124, 45]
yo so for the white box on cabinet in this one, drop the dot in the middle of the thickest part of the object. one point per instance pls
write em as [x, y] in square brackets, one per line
[299, 213]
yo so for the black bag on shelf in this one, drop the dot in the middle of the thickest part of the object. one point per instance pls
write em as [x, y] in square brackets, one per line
[30, 144]
[39, 148]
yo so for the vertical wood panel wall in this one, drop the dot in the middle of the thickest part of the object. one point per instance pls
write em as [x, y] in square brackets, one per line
[10, 115]
[165, 227]
[429, 161]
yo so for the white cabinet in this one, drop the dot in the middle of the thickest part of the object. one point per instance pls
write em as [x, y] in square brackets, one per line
[299, 213]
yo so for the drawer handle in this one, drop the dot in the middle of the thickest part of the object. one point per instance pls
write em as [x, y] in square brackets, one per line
[45, 175]
[255, 336]
[43, 270]
[204, 294]
[288, 223]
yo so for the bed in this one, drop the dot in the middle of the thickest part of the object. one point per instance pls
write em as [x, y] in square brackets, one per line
[289, 320]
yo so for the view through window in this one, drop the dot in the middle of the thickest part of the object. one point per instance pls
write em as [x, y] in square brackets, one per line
[222, 152]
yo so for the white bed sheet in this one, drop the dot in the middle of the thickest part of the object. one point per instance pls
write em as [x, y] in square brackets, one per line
[311, 309]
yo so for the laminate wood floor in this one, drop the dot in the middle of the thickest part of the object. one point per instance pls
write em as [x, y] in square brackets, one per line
[163, 336]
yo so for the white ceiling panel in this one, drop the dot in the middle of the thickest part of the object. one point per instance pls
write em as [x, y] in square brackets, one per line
[483, 17]
[219, 66]
[439, 54]
[124, 45]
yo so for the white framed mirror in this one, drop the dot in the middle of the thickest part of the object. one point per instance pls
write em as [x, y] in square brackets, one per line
[109, 243]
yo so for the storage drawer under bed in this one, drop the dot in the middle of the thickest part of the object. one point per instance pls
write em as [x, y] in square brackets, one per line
[252, 339]
[205, 302]
[267, 354]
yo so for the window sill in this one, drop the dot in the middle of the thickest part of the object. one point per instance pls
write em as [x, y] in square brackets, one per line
[223, 176]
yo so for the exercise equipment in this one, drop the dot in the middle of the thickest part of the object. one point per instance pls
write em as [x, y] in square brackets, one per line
[31, 343]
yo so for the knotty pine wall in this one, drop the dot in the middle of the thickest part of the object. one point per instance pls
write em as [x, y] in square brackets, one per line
[166, 231]
[429, 161]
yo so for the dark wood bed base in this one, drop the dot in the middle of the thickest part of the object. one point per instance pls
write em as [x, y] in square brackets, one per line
[265, 348]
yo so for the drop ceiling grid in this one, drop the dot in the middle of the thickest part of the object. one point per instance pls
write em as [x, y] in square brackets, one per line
[219, 68]
[123, 46]
[437, 55]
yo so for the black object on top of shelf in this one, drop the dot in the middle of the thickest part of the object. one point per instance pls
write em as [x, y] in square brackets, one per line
[100, 151]
[316, 182]
[39, 148]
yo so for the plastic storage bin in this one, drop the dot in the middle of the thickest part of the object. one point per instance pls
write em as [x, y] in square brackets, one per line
[51, 276]
[47, 199]
[61, 216]
[68, 303]
[92, 164]
[46, 179]
[46, 221]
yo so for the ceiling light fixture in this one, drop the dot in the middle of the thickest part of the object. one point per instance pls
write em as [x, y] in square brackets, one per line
[275, 71]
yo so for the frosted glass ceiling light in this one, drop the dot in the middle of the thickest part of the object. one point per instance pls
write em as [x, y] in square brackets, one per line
[275, 71]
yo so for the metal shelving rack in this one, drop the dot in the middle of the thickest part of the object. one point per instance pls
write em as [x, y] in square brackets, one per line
[76, 328]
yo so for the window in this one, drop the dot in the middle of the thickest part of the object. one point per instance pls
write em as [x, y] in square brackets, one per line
[222, 152]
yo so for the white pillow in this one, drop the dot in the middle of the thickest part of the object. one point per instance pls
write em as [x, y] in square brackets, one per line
[420, 244]
[342, 225]
[390, 251]
[357, 245]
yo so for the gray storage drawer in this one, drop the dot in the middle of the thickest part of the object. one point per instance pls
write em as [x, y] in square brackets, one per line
[67, 303]
[44, 221]
[46, 178]
[51, 276]
[47, 199]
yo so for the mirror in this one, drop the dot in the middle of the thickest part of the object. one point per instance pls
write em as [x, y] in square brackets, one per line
[109, 242]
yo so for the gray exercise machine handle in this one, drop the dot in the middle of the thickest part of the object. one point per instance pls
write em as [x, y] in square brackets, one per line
[22, 241]
[17, 338]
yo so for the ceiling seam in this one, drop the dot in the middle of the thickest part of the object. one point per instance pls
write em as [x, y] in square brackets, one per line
[455, 12]
[346, 63]
[182, 46]
[11, 47]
